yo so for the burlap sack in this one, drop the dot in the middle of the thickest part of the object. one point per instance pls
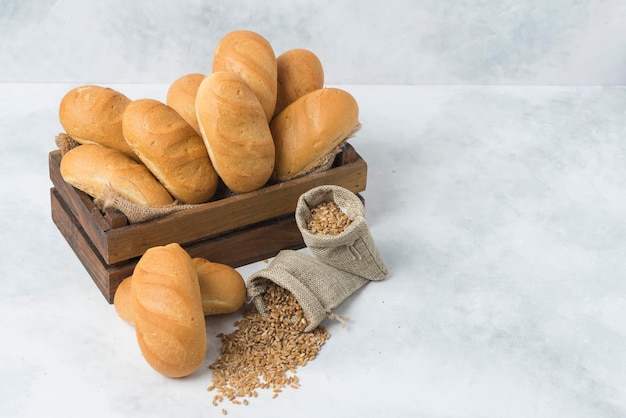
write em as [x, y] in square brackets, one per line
[317, 287]
[353, 250]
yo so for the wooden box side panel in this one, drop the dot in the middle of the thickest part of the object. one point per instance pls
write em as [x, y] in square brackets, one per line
[235, 249]
[106, 277]
[224, 216]
[117, 244]
[80, 204]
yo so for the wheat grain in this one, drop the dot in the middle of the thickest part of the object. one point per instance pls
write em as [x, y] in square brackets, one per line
[328, 219]
[264, 351]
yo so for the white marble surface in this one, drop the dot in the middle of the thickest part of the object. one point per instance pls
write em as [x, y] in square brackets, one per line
[500, 212]
[365, 42]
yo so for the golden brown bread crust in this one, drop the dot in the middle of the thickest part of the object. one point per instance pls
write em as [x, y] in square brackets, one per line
[123, 302]
[235, 132]
[250, 56]
[93, 114]
[299, 72]
[310, 128]
[171, 149]
[169, 321]
[181, 96]
[95, 168]
[222, 288]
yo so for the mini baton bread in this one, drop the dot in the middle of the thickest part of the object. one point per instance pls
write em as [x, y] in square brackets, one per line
[181, 96]
[250, 56]
[96, 169]
[123, 302]
[167, 307]
[93, 115]
[235, 132]
[308, 131]
[171, 149]
[222, 288]
[299, 71]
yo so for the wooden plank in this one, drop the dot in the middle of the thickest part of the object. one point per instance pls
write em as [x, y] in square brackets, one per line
[224, 215]
[209, 220]
[248, 245]
[81, 206]
[106, 278]
[115, 218]
[237, 248]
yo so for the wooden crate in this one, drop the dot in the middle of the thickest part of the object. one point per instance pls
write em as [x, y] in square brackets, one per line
[234, 230]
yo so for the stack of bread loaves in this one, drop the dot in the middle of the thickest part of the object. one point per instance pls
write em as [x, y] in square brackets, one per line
[142, 149]
[255, 118]
[167, 298]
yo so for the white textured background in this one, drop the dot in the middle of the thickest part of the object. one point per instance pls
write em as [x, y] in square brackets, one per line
[359, 42]
[499, 209]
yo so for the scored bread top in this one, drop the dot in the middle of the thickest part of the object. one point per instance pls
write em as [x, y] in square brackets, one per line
[310, 128]
[251, 56]
[181, 96]
[235, 132]
[93, 114]
[172, 150]
[223, 289]
[167, 309]
[94, 169]
[299, 71]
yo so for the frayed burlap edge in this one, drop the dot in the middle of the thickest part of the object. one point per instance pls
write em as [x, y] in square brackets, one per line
[64, 143]
[134, 212]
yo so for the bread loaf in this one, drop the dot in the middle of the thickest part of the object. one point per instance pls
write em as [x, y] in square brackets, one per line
[93, 115]
[181, 96]
[299, 71]
[122, 300]
[308, 130]
[250, 56]
[235, 131]
[169, 322]
[222, 288]
[171, 149]
[95, 169]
